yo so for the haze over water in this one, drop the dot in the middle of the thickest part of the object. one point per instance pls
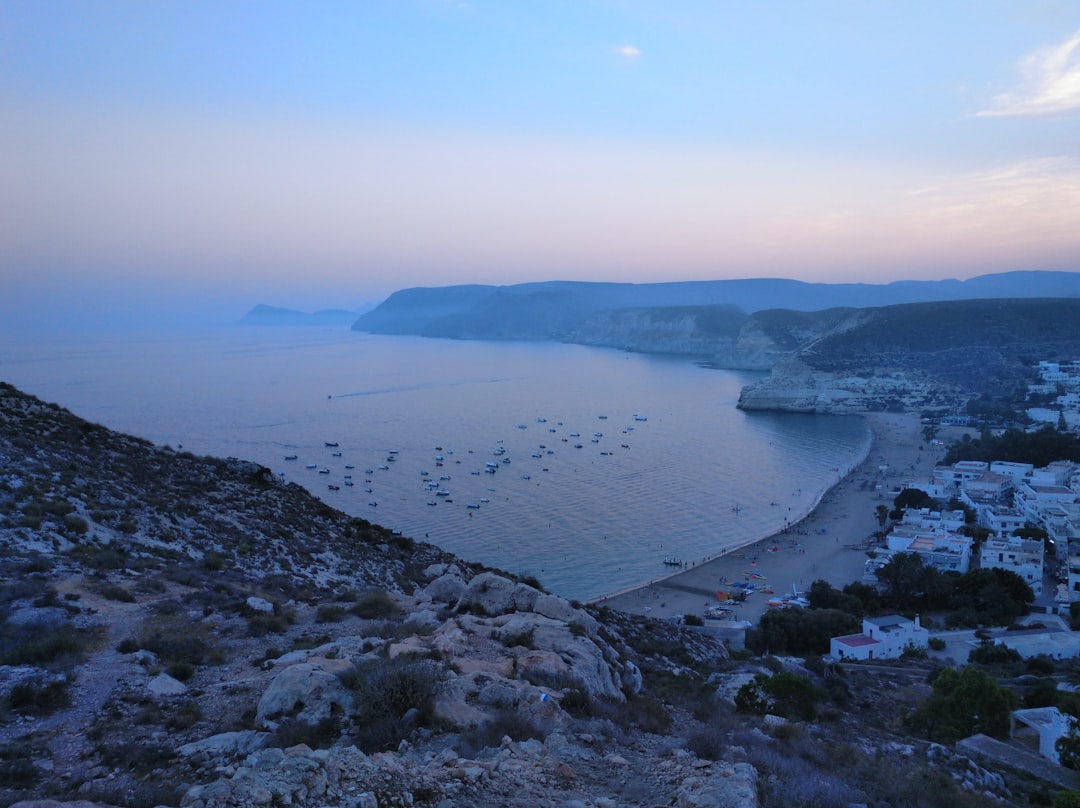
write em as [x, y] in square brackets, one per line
[695, 478]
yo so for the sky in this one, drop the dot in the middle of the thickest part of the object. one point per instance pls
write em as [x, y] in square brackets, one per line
[208, 156]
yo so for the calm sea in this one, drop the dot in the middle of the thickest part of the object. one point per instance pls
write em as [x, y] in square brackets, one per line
[662, 464]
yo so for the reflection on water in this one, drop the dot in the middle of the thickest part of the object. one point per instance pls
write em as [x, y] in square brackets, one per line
[688, 476]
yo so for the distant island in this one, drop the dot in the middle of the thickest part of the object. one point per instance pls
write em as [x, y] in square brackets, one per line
[263, 314]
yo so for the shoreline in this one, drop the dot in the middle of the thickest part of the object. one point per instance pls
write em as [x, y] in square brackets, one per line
[736, 550]
[828, 542]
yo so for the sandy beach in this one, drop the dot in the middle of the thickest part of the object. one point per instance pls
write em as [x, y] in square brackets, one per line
[830, 543]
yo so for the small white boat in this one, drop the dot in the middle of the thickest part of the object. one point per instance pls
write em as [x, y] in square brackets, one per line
[526, 477]
[384, 467]
[324, 471]
[309, 465]
[372, 504]
[473, 506]
[640, 418]
[484, 499]
[442, 492]
[290, 457]
[672, 561]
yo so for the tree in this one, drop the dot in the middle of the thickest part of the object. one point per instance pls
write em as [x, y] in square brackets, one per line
[1068, 749]
[784, 694]
[964, 703]
[908, 583]
[882, 514]
[913, 498]
[799, 631]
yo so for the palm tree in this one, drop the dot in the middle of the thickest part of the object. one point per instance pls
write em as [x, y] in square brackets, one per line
[882, 514]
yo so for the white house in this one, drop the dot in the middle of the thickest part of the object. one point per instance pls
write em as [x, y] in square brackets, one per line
[1031, 498]
[883, 637]
[1040, 727]
[1018, 471]
[948, 552]
[1022, 556]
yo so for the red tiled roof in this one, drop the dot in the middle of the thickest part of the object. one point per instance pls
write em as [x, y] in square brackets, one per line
[857, 640]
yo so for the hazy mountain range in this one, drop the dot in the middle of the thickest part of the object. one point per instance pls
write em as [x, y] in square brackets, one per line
[562, 309]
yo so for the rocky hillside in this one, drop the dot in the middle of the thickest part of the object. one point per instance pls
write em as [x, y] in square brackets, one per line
[924, 356]
[186, 631]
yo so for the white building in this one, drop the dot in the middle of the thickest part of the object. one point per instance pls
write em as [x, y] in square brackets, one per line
[1031, 498]
[935, 521]
[1018, 471]
[1039, 728]
[995, 516]
[883, 637]
[948, 552]
[1022, 556]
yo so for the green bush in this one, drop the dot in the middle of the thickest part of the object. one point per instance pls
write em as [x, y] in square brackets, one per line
[318, 735]
[181, 671]
[185, 716]
[936, 644]
[330, 613]
[39, 696]
[489, 734]
[391, 698]
[376, 604]
[41, 643]
[784, 694]
[174, 638]
[76, 524]
[111, 591]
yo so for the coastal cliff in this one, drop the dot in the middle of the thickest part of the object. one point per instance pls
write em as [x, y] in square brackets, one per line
[914, 357]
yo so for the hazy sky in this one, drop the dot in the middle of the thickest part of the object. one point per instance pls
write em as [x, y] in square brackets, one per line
[314, 154]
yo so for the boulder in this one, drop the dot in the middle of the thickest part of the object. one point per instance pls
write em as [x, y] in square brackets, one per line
[308, 691]
[260, 605]
[446, 588]
[490, 593]
[165, 685]
[225, 745]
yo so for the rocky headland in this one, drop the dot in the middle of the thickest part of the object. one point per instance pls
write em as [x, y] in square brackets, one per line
[827, 348]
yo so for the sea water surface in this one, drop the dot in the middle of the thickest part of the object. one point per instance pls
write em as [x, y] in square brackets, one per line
[607, 462]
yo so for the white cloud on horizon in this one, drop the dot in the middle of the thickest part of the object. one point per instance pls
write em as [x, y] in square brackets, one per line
[1050, 83]
[629, 51]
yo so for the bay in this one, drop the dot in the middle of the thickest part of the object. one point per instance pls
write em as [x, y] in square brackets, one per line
[667, 466]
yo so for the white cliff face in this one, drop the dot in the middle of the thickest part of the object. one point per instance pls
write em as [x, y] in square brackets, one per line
[793, 386]
[651, 331]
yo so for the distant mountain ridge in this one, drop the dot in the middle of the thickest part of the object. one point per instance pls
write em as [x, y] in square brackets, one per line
[562, 310]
